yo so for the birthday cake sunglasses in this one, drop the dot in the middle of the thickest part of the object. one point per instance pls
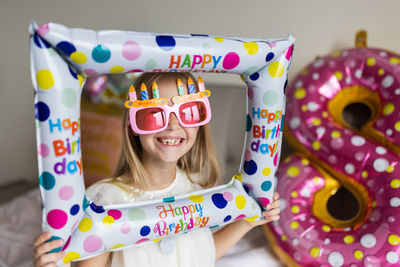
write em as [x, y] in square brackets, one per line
[152, 115]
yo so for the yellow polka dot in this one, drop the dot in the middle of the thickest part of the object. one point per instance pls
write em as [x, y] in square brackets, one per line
[295, 209]
[117, 69]
[196, 198]
[326, 228]
[158, 239]
[335, 134]
[316, 122]
[283, 238]
[117, 246]
[338, 75]
[364, 174]
[394, 240]
[294, 225]
[374, 204]
[358, 254]
[324, 114]
[304, 108]
[293, 171]
[317, 180]
[395, 183]
[108, 221]
[371, 61]
[251, 48]
[240, 201]
[78, 57]
[276, 69]
[300, 93]
[381, 71]
[80, 79]
[45, 79]
[314, 252]
[304, 72]
[85, 225]
[397, 126]
[335, 54]
[390, 168]
[388, 109]
[266, 171]
[238, 177]
[316, 145]
[252, 219]
[294, 194]
[394, 60]
[348, 239]
[305, 162]
[71, 256]
[219, 39]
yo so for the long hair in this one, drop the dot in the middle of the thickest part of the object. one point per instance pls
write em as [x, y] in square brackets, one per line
[201, 159]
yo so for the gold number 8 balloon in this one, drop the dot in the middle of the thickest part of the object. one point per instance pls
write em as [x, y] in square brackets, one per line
[62, 58]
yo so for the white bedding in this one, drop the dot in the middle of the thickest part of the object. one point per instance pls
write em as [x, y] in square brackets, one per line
[20, 223]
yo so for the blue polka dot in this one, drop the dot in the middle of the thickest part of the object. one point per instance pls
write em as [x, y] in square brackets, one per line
[228, 218]
[282, 122]
[95, 208]
[250, 167]
[169, 199]
[214, 226]
[42, 111]
[269, 57]
[47, 180]
[66, 47]
[101, 53]
[145, 230]
[266, 186]
[219, 200]
[249, 123]
[74, 209]
[85, 203]
[254, 76]
[200, 35]
[73, 73]
[40, 42]
[246, 188]
[52, 239]
[284, 87]
[166, 42]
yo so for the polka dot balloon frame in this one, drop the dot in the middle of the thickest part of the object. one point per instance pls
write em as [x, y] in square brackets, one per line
[62, 58]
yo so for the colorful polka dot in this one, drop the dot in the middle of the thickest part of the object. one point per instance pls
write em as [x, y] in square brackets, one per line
[348, 239]
[151, 63]
[293, 171]
[263, 201]
[371, 61]
[394, 240]
[240, 202]
[92, 243]
[117, 69]
[40, 42]
[71, 256]
[300, 93]
[165, 42]
[219, 200]
[57, 218]
[219, 39]
[251, 47]
[145, 230]
[394, 60]
[44, 79]
[228, 196]
[270, 98]
[196, 198]
[66, 47]
[47, 180]
[131, 50]
[125, 228]
[66, 192]
[43, 150]
[314, 252]
[276, 69]
[294, 225]
[116, 214]
[69, 97]
[269, 57]
[231, 60]
[102, 53]
[136, 215]
[358, 254]
[78, 57]
[108, 221]
[227, 218]
[95, 208]
[85, 224]
[250, 167]
[254, 76]
[266, 186]
[335, 259]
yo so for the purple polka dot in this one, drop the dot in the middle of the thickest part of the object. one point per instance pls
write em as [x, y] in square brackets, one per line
[250, 93]
[92, 243]
[131, 50]
[142, 241]
[116, 214]
[43, 30]
[263, 201]
[219, 200]
[250, 167]
[231, 60]
[43, 150]
[228, 196]
[125, 228]
[247, 155]
[242, 216]
[57, 218]
[66, 192]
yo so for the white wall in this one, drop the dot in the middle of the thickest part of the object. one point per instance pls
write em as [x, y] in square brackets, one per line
[319, 27]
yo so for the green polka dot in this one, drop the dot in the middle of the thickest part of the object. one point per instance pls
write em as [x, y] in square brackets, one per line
[270, 98]
[69, 97]
[136, 215]
[151, 63]
[250, 70]
[206, 46]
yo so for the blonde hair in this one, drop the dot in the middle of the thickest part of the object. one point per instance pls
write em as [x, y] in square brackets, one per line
[200, 159]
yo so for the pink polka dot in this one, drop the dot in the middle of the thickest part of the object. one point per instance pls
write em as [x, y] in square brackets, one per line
[250, 93]
[43, 150]
[276, 159]
[43, 30]
[90, 72]
[250, 186]
[57, 219]
[242, 216]
[92, 243]
[141, 241]
[228, 196]
[359, 156]
[135, 70]
[263, 201]
[125, 228]
[289, 52]
[131, 50]
[116, 214]
[66, 244]
[337, 143]
[66, 192]
[247, 155]
[231, 60]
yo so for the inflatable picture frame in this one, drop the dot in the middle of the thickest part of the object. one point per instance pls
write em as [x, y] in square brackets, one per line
[62, 58]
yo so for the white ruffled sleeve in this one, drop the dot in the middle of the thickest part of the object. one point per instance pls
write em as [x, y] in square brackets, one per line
[105, 193]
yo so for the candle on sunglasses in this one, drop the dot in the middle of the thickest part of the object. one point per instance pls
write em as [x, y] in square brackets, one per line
[156, 93]
[201, 84]
[181, 90]
[191, 87]
[143, 91]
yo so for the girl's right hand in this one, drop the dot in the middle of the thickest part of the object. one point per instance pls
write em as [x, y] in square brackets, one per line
[41, 257]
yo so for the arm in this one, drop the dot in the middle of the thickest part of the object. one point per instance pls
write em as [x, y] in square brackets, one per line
[100, 260]
[227, 237]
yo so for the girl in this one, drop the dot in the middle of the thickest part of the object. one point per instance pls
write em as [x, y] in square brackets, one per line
[157, 162]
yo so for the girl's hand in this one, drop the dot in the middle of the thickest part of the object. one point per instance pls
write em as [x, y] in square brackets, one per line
[41, 257]
[272, 213]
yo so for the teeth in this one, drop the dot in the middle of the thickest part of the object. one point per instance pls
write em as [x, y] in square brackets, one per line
[170, 141]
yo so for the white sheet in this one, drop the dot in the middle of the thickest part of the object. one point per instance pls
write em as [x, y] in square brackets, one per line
[20, 223]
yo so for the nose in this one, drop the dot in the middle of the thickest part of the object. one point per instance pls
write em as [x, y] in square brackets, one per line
[173, 122]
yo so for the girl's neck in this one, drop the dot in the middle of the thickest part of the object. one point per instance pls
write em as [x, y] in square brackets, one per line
[160, 175]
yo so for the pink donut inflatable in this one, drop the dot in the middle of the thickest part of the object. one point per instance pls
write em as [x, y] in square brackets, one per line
[334, 157]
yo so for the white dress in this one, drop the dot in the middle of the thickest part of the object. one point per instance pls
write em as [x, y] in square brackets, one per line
[195, 249]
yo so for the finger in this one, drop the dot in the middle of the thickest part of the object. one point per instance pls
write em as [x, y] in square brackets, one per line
[276, 196]
[48, 259]
[274, 204]
[273, 218]
[271, 212]
[47, 247]
[41, 238]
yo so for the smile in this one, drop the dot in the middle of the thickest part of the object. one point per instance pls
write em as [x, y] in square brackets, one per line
[170, 141]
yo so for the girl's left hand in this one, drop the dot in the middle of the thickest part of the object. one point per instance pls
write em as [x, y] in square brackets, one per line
[271, 214]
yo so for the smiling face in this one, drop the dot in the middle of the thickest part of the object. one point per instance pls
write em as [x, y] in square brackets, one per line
[168, 146]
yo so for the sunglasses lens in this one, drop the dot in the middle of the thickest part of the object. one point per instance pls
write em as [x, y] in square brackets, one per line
[192, 112]
[150, 119]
